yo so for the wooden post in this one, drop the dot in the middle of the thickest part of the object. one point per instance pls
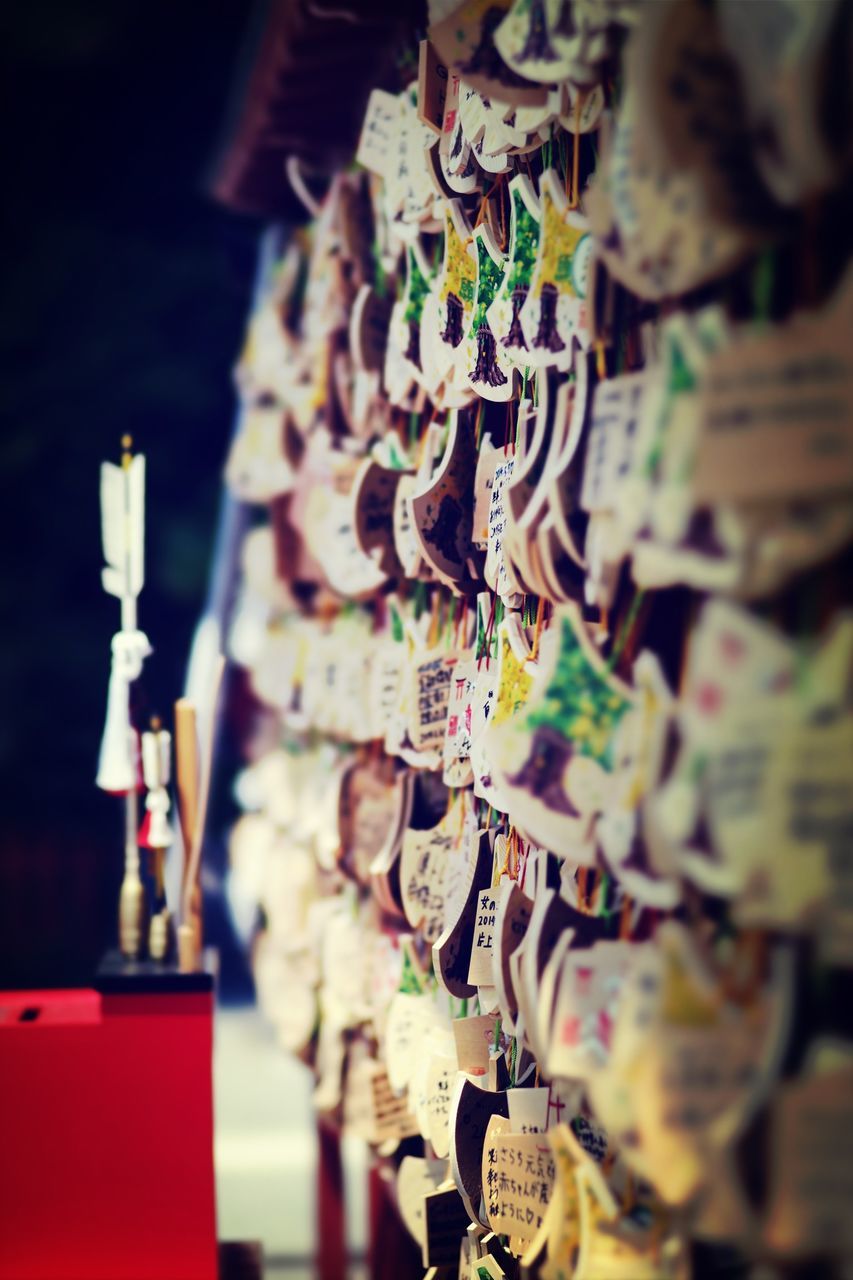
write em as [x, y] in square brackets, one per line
[331, 1212]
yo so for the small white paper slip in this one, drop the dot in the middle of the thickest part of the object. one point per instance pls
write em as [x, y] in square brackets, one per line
[480, 972]
[528, 1110]
[613, 428]
[379, 133]
[457, 732]
[497, 572]
[433, 681]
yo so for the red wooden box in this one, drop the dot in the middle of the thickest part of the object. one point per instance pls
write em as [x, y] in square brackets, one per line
[106, 1131]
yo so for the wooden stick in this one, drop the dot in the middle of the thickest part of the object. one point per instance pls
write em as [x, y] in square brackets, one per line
[186, 772]
[131, 908]
[189, 932]
[186, 781]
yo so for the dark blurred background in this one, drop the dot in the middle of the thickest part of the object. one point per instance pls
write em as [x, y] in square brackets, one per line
[125, 291]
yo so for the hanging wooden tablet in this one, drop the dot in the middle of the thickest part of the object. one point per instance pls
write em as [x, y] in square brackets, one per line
[451, 953]
[613, 428]
[471, 1109]
[800, 373]
[485, 122]
[690, 110]
[577, 1032]
[480, 968]
[446, 384]
[625, 833]
[419, 1099]
[509, 688]
[422, 874]
[517, 1176]
[608, 458]
[445, 1221]
[391, 1119]
[454, 288]
[703, 1085]
[563, 477]
[406, 543]
[458, 167]
[657, 498]
[701, 1063]
[553, 316]
[404, 333]
[516, 671]
[258, 468]
[531, 444]
[368, 328]
[581, 109]
[443, 509]
[432, 679]
[634, 1244]
[512, 917]
[526, 481]
[810, 1190]
[378, 131]
[483, 709]
[488, 460]
[489, 371]
[553, 573]
[497, 570]
[531, 39]
[554, 760]
[461, 864]
[744, 719]
[368, 818]
[432, 87]
[342, 961]
[415, 1179]
[331, 538]
[465, 41]
[384, 870]
[385, 881]
[504, 315]
[475, 1037]
[535, 119]
[783, 78]
[440, 1081]
[374, 494]
[554, 1246]
[551, 920]
[407, 189]
[652, 225]
[410, 1015]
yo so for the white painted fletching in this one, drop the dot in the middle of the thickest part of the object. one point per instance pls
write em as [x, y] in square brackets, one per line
[123, 526]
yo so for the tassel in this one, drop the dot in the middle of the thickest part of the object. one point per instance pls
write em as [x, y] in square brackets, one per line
[158, 833]
[117, 766]
[156, 746]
